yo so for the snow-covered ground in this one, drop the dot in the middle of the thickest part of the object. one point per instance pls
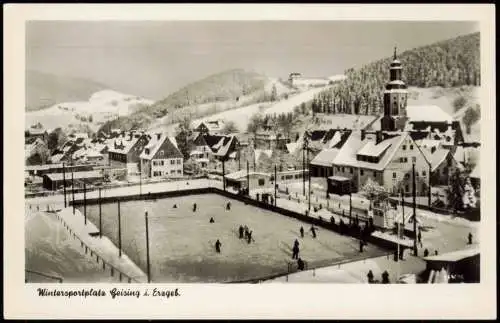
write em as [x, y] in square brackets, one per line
[286, 106]
[241, 116]
[102, 106]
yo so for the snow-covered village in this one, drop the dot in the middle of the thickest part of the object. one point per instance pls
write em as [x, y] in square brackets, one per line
[363, 171]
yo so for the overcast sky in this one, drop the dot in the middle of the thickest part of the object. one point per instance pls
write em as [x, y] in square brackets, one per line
[153, 59]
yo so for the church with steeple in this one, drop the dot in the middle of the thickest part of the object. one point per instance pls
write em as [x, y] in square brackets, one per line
[395, 99]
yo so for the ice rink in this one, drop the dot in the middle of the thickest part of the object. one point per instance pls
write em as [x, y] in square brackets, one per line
[182, 241]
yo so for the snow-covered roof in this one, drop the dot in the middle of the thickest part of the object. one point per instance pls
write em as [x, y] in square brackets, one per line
[243, 173]
[126, 141]
[437, 157]
[373, 149]
[339, 178]
[76, 175]
[325, 157]
[454, 255]
[154, 145]
[427, 113]
[348, 152]
[476, 172]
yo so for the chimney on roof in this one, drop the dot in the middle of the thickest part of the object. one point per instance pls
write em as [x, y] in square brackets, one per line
[433, 149]
[158, 135]
[363, 134]
[131, 135]
[378, 137]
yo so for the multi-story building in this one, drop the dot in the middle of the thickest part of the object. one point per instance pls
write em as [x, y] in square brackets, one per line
[126, 150]
[161, 158]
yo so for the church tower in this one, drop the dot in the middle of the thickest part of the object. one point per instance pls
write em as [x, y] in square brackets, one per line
[395, 99]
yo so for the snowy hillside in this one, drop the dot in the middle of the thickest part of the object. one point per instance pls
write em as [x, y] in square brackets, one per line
[101, 106]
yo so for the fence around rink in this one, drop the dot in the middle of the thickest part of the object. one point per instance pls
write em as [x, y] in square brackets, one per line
[92, 252]
[320, 222]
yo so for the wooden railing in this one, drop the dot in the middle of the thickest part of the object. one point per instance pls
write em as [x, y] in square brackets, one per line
[53, 277]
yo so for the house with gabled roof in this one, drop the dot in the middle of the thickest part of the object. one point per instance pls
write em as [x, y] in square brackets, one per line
[385, 157]
[161, 157]
[126, 149]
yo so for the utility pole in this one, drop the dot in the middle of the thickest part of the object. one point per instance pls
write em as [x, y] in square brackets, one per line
[64, 185]
[147, 248]
[304, 166]
[309, 184]
[350, 204]
[239, 156]
[140, 183]
[100, 215]
[275, 184]
[414, 213]
[248, 177]
[85, 203]
[73, 191]
[223, 174]
[403, 207]
[119, 231]
[429, 192]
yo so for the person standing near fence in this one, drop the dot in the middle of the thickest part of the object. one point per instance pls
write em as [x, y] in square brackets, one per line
[300, 264]
[370, 277]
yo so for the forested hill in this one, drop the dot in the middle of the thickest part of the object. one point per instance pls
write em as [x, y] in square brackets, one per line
[225, 86]
[449, 63]
[228, 85]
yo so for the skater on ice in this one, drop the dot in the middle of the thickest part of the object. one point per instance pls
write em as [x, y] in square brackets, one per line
[212, 220]
[217, 246]
[194, 207]
[313, 230]
[241, 230]
[302, 232]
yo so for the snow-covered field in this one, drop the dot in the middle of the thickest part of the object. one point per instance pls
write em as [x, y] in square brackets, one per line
[49, 249]
[182, 241]
[102, 105]
[241, 116]
[286, 106]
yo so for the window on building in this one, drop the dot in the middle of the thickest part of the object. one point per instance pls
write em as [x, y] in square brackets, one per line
[161, 153]
[179, 171]
[361, 172]
[351, 170]
[393, 175]
[414, 159]
[411, 147]
[282, 177]
[172, 171]
[404, 147]
[407, 176]
[172, 162]
[178, 161]
[424, 173]
[261, 182]
[343, 169]
[407, 188]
